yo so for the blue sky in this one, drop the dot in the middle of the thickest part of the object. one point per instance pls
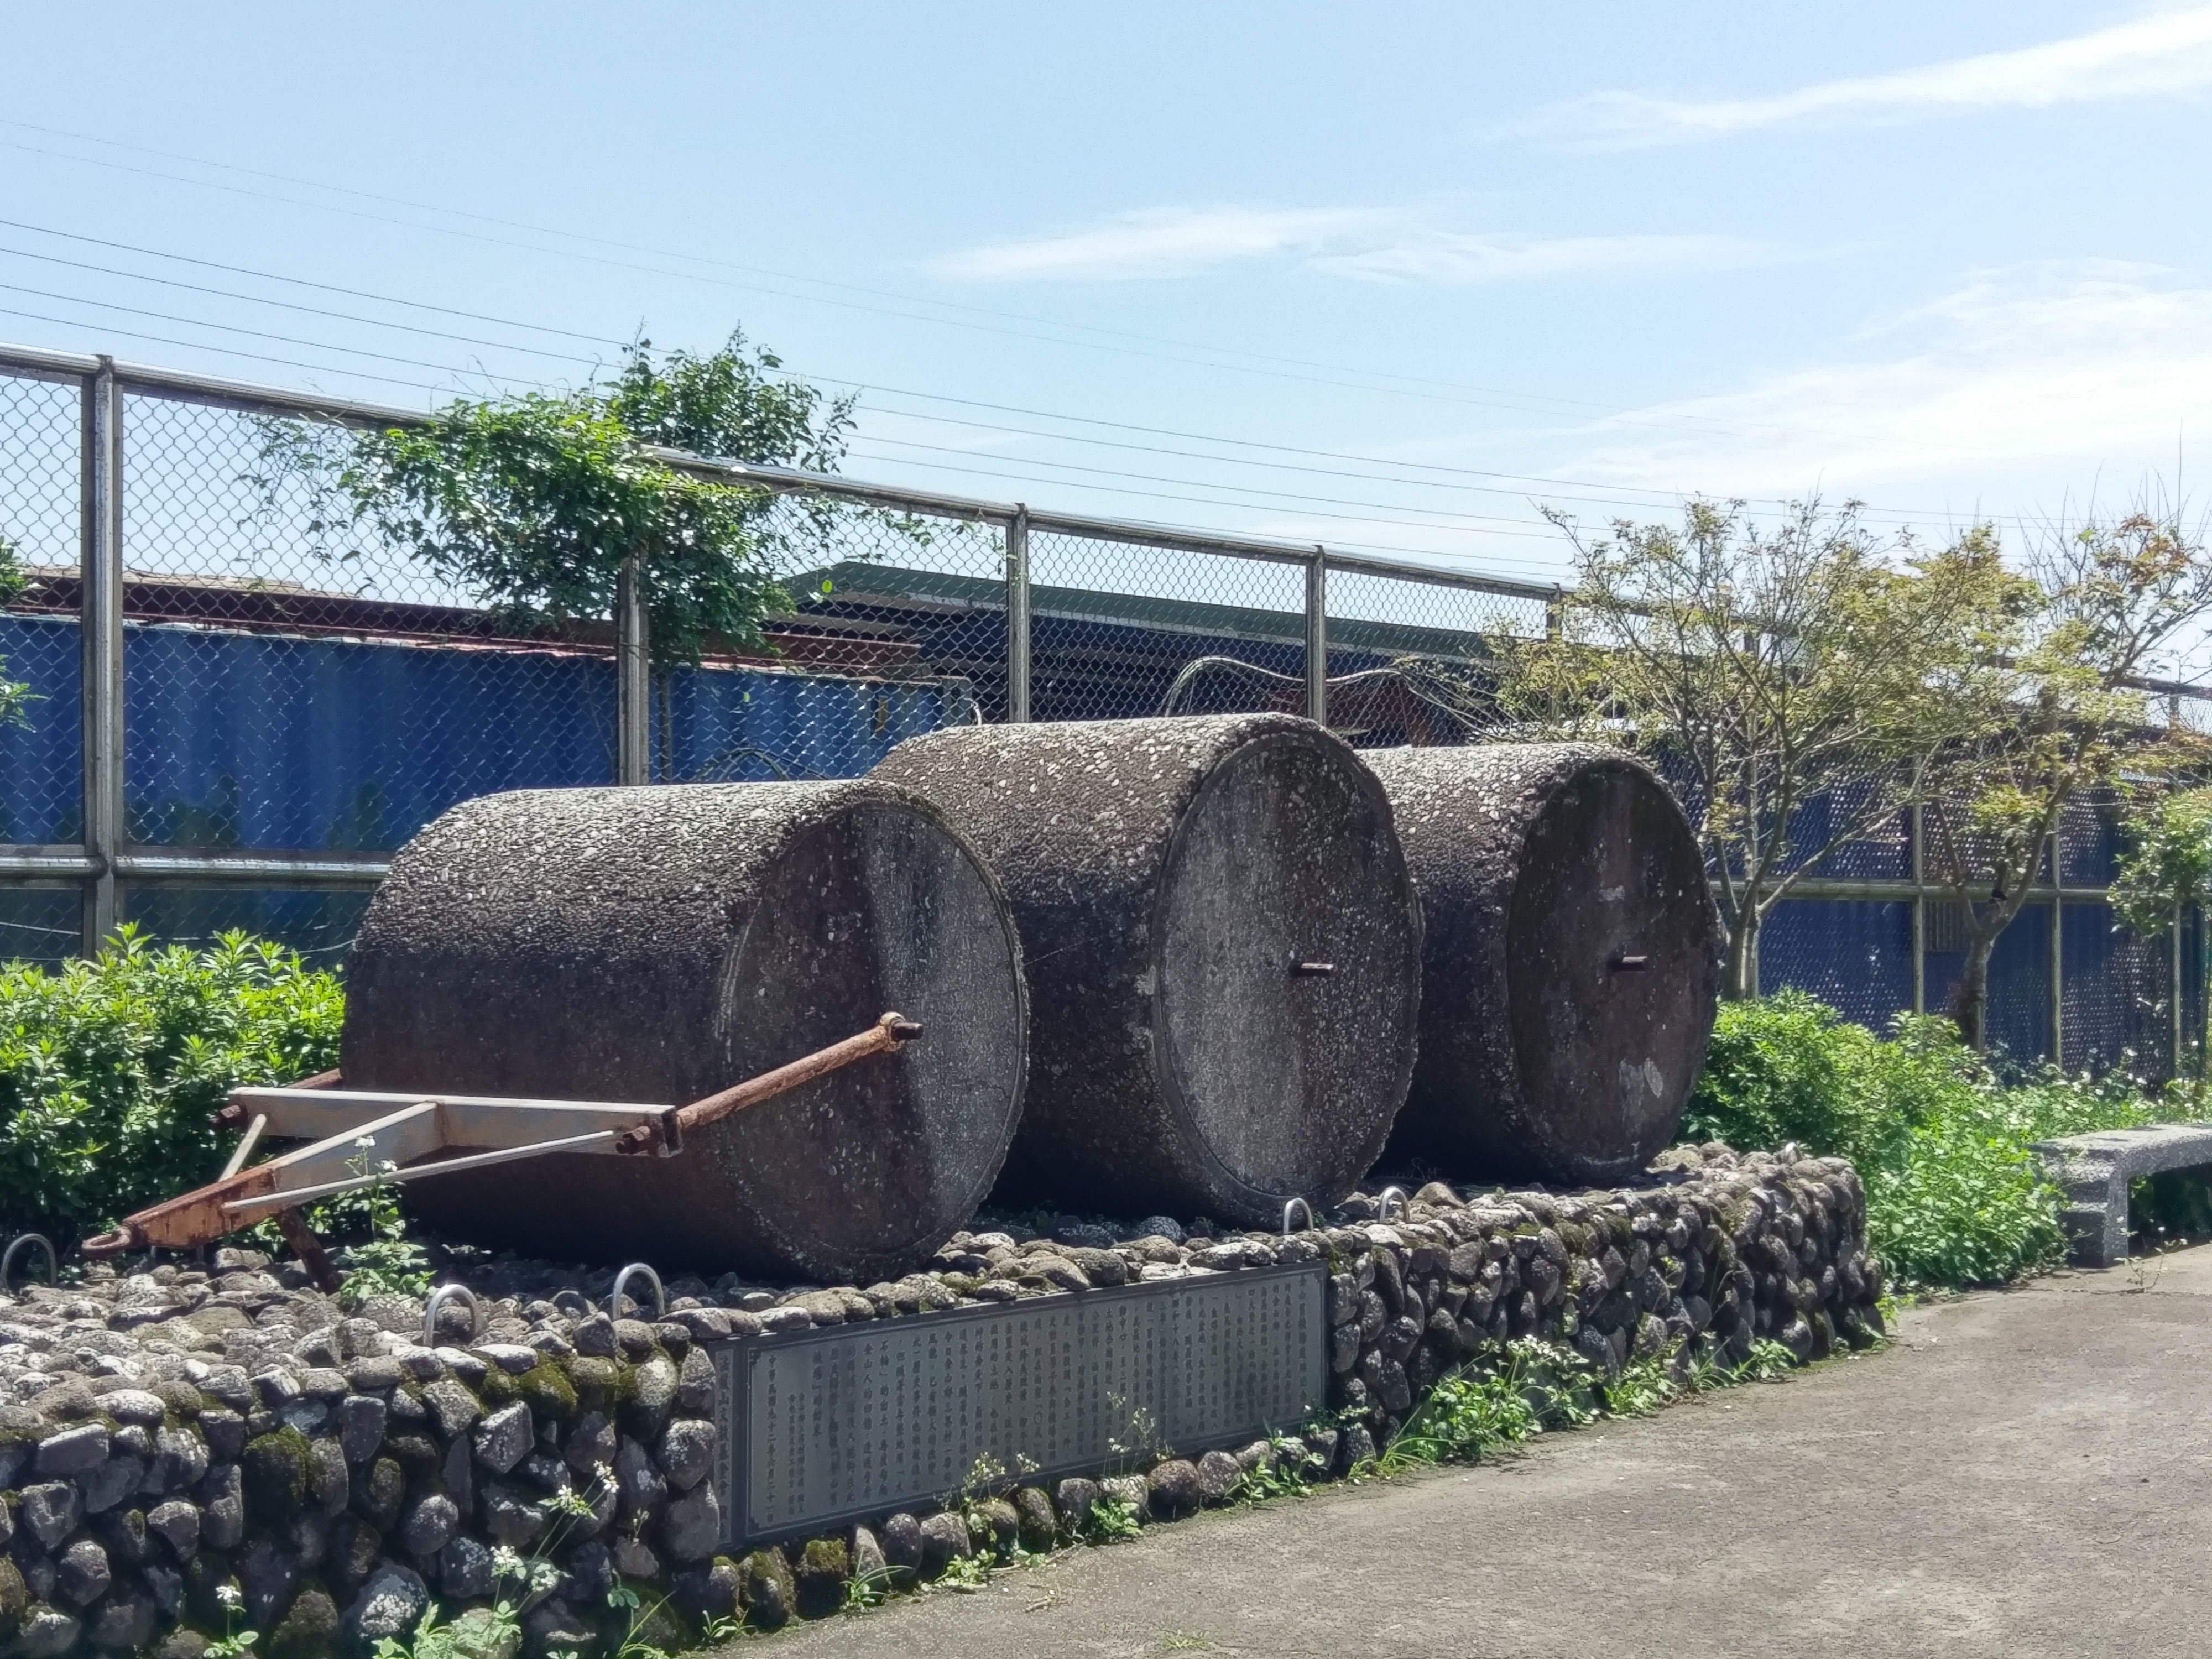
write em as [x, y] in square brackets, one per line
[1451, 262]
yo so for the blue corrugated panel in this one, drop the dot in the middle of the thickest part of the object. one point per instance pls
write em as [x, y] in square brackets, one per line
[2118, 994]
[273, 742]
[42, 760]
[1855, 956]
[259, 740]
[730, 725]
[2019, 985]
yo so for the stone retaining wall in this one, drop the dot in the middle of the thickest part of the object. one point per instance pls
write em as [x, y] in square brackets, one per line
[184, 1452]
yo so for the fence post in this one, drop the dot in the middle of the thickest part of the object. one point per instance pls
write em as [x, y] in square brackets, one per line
[1919, 913]
[633, 679]
[100, 601]
[2057, 950]
[1017, 616]
[1317, 636]
[2174, 991]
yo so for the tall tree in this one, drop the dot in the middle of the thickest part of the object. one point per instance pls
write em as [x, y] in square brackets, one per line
[1796, 678]
[2166, 871]
[2064, 713]
[534, 504]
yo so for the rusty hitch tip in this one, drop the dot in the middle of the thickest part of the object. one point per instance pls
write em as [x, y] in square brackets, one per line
[1313, 969]
[1627, 964]
[227, 1116]
[100, 1245]
[902, 1029]
[638, 1138]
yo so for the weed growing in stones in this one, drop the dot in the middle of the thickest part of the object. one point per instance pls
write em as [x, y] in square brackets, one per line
[1521, 1389]
[1290, 1472]
[965, 1572]
[1112, 1521]
[388, 1264]
[235, 1642]
[476, 1633]
[1641, 1388]
[866, 1591]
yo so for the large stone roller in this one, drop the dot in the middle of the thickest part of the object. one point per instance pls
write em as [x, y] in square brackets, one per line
[660, 945]
[1570, 966]
[1224, 951]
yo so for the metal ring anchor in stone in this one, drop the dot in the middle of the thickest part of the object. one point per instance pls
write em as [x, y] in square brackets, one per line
[430, 1312]
[1382, 1204]
[615, 1295]
[8, 1258]
[1296, 1203]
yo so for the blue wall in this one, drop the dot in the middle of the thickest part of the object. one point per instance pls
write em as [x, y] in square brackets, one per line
[271, 741]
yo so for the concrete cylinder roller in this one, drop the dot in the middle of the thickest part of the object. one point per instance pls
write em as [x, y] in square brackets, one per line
[659, 944]
[1223, 943]
[1570, 967]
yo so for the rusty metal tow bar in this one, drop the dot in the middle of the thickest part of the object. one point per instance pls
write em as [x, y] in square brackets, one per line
[410, 1135]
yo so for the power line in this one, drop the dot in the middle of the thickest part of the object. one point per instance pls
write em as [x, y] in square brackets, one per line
[1519, 402]
[229, 351]
[1626, 492]
[1436, 521]
[293, 305]
[253, 333]
[762, 270]
[1154, 495]
[296, 282]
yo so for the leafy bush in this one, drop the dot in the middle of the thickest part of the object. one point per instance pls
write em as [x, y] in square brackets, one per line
[109, 1069]
[1954, 1195]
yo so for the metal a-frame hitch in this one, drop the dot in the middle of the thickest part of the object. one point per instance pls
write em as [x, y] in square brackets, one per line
[362, 1138]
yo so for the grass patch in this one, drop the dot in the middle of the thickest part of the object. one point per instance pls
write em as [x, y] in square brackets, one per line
[1522, 1388]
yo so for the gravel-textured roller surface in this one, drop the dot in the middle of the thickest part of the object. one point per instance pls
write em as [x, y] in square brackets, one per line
[1571, 962]
[1223, 943]
[659, 944]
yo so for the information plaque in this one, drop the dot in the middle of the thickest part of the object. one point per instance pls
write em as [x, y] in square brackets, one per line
[846, 1421]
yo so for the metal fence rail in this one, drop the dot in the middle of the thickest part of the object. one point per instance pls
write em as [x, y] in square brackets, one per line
[240, 714]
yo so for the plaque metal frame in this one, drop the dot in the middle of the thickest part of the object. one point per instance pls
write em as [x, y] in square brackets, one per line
[843, 1422]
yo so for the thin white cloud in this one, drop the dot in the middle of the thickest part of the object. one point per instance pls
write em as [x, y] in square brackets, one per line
[1163, 243]
[2168, 52]
[2021, 385]
[1446, 256]
[1349, 242]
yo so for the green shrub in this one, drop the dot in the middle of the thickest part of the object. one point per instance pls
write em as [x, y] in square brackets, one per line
[1954, 1195]
[109, 1069]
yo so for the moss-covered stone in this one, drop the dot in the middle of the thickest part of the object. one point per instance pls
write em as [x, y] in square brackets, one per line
[596, 1382]
[309, 1628]
[766, 1590]
[823, 1566]
[14, 1599]
[377, 1499]
[274, 1469]
[497, 1388]
[417, 1453]
[549, 1393]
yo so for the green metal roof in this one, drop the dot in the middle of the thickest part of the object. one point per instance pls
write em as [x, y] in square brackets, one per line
[887, 587]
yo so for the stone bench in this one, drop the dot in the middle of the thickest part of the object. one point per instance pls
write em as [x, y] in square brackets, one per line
[2094, 1170]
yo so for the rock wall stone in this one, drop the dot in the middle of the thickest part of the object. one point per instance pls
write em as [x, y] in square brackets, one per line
[186, 1452]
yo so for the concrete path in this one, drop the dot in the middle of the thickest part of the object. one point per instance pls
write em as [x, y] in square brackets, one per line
[2022, 1473]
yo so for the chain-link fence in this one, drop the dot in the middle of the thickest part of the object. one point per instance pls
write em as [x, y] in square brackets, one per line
[242, 706]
